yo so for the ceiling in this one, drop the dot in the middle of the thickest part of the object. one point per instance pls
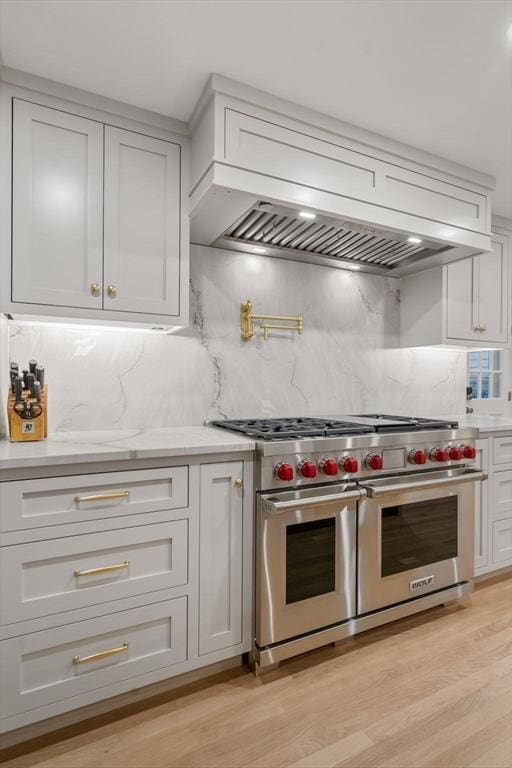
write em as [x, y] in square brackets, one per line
[433, 73]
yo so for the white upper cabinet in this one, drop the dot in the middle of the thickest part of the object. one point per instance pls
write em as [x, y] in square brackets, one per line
[464, 303]
[142, 223]
[492, 292]
[57, 248]
[99, 223]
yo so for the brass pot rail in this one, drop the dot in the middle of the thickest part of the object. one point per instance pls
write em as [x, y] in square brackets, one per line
[281, 322]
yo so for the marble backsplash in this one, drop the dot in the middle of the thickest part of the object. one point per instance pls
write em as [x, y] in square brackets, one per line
[348, 359]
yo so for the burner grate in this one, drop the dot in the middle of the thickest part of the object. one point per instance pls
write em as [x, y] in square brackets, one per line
[293, 428]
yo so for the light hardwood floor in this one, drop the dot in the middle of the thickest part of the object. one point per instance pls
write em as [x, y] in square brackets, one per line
[432, 690]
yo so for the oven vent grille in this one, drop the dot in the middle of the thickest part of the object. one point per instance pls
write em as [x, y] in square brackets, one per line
[271, 227]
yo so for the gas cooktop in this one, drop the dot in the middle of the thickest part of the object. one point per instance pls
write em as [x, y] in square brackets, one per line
[361, 424]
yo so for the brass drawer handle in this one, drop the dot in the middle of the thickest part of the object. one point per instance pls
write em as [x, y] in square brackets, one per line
[111, 291]
[103, 569]
[480, 328]
[95, 289]
[239, 483]
[102, 497]
[100, 654]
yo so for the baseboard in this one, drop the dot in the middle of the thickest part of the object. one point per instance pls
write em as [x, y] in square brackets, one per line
[486, 579]
[36, 735]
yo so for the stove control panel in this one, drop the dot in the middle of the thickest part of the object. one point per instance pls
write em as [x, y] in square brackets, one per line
[329, 466]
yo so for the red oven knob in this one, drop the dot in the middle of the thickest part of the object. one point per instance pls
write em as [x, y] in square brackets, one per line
[329, 467]
[469, 452]
[438, 454]
[374, 461]
[455, 454]
[284, 472]
[349, 464]
[307, 469]
[418, 457]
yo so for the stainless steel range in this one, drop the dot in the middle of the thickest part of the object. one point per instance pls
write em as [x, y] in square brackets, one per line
[359, 520]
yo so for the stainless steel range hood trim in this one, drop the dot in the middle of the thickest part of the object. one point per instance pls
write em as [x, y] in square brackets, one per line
[326, 240]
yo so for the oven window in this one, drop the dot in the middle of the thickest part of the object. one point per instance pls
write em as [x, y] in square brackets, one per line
[310, 559]
[418, 534]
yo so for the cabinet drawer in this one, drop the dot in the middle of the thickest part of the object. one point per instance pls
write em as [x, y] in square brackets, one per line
[48, 577]
[502, 542]
[53, 501]
[502, 494]
[55, 664]
[502, 450]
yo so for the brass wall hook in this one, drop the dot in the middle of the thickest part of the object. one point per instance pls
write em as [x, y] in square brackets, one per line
[284, 322]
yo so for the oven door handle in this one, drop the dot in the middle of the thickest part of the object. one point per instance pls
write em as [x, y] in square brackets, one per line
[438, 482]
[273, 506]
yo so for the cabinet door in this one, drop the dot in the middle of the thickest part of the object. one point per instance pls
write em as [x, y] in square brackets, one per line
[459, 278]
[482, 507]
[142, 223]
[491, 289]
[502, 494]
[220, 563]
[57, 247]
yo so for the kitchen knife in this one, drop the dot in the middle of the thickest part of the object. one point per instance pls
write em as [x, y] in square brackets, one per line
[18, 388]
[30, 382]
[14, 366]
[40, 374]
[32, 365]
[37, 391]
[14, 375]
[25, 378]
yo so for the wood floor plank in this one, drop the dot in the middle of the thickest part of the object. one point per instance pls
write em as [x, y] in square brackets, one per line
[431, 691]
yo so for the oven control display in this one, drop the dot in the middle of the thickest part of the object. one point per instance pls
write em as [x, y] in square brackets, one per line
[394, 458]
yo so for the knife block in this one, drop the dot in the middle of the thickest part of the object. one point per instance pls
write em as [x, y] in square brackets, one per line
[21, 430]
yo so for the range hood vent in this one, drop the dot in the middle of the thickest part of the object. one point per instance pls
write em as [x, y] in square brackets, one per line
[281, 231]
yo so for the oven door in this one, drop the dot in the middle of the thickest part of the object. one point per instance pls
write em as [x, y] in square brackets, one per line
[415, 536]
[306, 546]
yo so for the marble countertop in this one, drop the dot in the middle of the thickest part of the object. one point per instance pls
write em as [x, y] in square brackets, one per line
[119, 445]
[483, 423]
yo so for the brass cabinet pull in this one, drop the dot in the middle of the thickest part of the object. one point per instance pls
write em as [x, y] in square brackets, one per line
[100, 654]
[102, 497]
[480, 328]
[95, 289]
[239, 483]
[112, 291]
[103, 569]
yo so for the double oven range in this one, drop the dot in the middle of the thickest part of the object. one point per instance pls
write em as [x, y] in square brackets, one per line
[359, 520]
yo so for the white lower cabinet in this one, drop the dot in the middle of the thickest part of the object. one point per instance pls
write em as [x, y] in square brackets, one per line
[44, 667]
[220, 556]
[125, 578]
[493, 505]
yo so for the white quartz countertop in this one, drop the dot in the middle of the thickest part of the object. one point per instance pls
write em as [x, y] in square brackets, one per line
[118, 445]
[483, 423]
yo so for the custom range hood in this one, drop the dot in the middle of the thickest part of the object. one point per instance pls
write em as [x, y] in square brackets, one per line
[272, 178]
